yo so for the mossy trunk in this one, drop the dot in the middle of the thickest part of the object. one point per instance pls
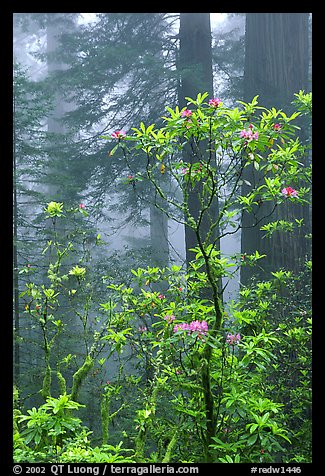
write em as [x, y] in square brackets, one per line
[170, 447]
[46, 388]
[62, 383]
[104, 409]
[79, 376]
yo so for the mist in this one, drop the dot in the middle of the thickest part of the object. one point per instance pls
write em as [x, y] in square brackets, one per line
[120, 229]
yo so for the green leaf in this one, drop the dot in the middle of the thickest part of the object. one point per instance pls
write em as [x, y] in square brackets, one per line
[54, 209]
[113, 150]
[265, 417]
[252, 439]
[241, 412]
[253, 428]
[229, 402]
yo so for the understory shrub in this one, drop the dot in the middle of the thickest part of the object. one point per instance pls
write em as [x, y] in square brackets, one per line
[182, 376]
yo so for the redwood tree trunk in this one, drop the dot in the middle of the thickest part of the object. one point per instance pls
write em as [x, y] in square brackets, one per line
[276, 67]
[196, 76]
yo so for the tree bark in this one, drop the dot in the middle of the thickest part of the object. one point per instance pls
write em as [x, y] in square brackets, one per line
[276, 67]
[196, 76]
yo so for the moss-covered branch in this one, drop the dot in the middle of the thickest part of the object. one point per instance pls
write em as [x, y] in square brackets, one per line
[79, 376]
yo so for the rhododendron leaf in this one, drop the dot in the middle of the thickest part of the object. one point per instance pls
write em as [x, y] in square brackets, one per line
[252, 439]
[113, 150]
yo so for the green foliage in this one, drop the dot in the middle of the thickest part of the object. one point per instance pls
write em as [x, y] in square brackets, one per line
[238, 137]
[250, 420]
[51, 423]
[195, 380]
[303, 102]
[53, 434]
[54, 209]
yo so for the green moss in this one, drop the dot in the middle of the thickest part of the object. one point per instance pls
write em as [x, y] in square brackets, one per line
[62, 383]
[170, 448]
[79, 376]
[16, 411]
[140, 442]
[46, 389]
[105, 407]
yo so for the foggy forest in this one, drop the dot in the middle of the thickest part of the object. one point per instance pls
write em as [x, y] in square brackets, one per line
[162, 238]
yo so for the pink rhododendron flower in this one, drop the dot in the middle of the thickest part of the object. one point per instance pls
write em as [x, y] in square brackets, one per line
[277, 127]
[186, 113]
[118, 134]
[200, 327]
[289, 192]
[233, 339]
[161, 296]
[181, 327]
[169, 318]
[81, 205]
[249, 134]
[215, 102]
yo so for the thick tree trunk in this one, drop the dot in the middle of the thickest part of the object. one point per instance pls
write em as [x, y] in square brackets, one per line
[276, 57]
[195, 72]
[276, 67]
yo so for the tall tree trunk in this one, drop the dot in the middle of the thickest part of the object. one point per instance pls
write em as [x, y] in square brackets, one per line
[195, 72]
[276, 67]
[54, 122]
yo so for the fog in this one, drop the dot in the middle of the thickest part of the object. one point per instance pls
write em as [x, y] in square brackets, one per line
[79, 77]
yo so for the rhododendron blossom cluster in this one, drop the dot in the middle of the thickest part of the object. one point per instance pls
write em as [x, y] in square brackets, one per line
[169, 318]
[289, 192]
[249, 134]
[215, 102]
[186, 113]
[200, 327]
[233, 339]
[118, 134]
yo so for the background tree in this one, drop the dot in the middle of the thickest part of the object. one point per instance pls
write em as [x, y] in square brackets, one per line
[31, 105]
[103, 63]
[72, 164]
[105, 75]
[276, 67]
[195, 73]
